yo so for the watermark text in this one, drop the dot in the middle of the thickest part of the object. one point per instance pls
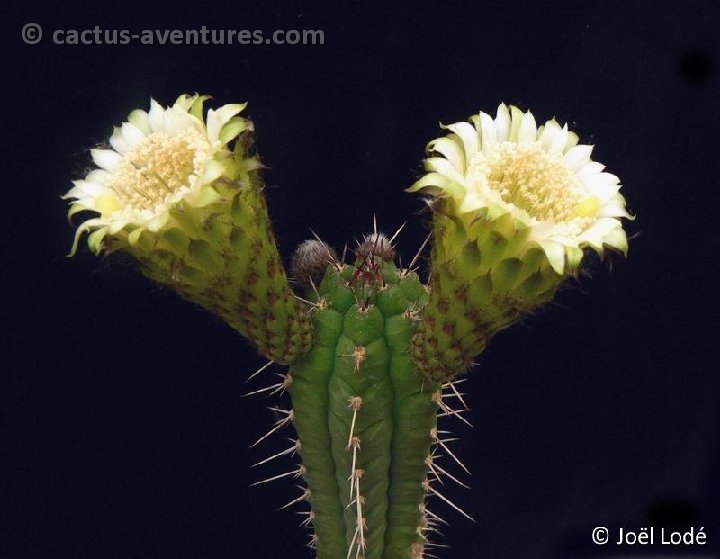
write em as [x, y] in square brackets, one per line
[649, 536]
[33, 33]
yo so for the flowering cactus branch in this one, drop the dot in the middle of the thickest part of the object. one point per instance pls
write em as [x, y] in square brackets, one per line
[514, 205]
[189, 208]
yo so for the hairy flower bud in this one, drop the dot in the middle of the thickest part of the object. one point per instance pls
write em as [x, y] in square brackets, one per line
[309, 262]
[376, 244]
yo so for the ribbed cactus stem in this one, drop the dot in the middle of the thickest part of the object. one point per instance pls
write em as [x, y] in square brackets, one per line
[364, 417]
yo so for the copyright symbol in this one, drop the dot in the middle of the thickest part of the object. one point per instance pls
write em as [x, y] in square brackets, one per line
[600, 535]
[31, 33]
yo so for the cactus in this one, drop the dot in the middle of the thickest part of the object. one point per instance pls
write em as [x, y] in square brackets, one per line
[373, 353]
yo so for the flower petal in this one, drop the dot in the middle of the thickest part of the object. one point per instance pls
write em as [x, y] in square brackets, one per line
[451, 149]
[555, 254]
[444, 167]
[117, 141]
[577, 157]
[527, 132]
[589, 169]
[469, 137]
[603, 185]
[558, 141]
[156, 117]
[132, 134]
[516, 118]
[216, 119]
[85, 187]
[489, 130]
[502, 123]
[106, 158]
[139, 119]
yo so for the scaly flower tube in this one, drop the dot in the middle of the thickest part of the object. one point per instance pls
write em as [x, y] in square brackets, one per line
[515, 207]
[182, 195]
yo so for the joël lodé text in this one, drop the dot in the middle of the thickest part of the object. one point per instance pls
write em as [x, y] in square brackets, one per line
[661, 536]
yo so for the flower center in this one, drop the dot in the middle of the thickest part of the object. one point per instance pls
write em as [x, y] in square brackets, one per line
[161, 168]
[528, 177]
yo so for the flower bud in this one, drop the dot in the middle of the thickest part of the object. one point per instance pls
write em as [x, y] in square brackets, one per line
[309, 262]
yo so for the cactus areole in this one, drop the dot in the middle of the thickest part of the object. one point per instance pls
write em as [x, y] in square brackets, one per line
[372, 353]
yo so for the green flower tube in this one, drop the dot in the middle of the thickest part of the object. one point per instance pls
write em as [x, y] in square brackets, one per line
[515, 205]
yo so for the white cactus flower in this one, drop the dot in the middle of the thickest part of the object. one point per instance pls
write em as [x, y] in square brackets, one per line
[159, 159]
[540, 176]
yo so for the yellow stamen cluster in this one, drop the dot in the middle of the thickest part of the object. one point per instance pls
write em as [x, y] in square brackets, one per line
[528, 177]
[157, 169]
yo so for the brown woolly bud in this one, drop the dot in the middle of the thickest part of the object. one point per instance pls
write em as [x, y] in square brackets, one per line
[376, 244]
[310, 261]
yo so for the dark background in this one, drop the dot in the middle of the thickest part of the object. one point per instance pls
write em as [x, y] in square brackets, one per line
[123, 433]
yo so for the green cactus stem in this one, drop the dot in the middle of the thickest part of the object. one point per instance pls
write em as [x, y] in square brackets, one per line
[364, 417]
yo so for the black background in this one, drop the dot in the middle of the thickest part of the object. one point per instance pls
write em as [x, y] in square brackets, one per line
[122, 430]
